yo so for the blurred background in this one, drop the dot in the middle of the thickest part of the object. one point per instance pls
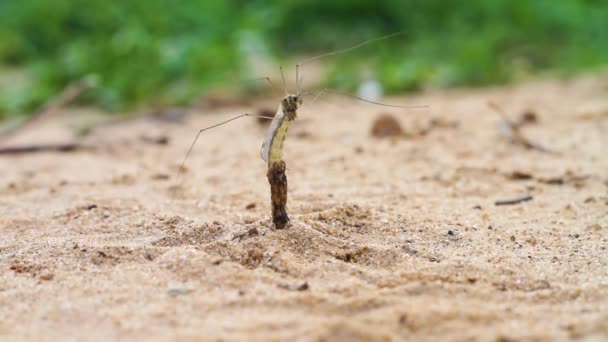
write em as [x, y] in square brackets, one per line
[165, 53]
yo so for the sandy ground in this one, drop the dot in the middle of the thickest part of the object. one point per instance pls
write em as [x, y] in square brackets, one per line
[390, 239]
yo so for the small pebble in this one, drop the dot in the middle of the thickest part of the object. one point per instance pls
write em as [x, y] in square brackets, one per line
[177, 290]
[386, 125]
[302, 287]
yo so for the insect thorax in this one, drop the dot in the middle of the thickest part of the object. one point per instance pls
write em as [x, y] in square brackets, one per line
[290, 105]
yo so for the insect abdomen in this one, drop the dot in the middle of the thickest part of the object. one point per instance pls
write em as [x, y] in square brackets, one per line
[276, 147]
[275, 150]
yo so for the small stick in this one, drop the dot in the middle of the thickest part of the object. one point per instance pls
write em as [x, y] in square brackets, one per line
[515, 200]
[55, 104]
[514, 133]
[62, 147]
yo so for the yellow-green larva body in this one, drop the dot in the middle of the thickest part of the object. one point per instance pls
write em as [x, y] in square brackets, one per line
[275, 152]
[272, 148]
[272, 153]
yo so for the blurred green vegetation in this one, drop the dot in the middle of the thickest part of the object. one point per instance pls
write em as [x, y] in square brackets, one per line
[165, 52]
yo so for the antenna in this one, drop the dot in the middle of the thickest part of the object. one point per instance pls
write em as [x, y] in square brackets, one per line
[283, 78]
[299, 81]
[267, 79]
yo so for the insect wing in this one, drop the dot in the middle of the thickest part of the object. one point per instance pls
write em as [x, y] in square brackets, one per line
[270, 133]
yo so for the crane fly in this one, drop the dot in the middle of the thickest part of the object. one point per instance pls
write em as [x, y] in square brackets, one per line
[272, 146]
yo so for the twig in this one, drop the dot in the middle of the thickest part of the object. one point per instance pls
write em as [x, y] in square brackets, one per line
[514, 133]
[55, 104]
[61, 147]
[515, 200]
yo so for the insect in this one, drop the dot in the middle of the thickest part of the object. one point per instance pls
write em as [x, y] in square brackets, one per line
[272, 146]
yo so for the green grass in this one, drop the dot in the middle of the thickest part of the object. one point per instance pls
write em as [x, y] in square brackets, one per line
[160, 52]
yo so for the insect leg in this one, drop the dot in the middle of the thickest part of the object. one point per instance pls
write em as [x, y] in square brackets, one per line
[267, 79]
[341, 51]
[216, 125]
[326, 90]
[337, 52]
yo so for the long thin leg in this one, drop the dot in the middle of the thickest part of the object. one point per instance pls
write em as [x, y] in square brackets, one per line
[267, 79]
[216, 125]
[325, 90]
[337, 52]
[341, 51]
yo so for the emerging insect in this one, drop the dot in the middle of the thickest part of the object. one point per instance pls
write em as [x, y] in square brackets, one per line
[272, 147]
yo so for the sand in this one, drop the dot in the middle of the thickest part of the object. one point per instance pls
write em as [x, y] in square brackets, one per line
[394, 238]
